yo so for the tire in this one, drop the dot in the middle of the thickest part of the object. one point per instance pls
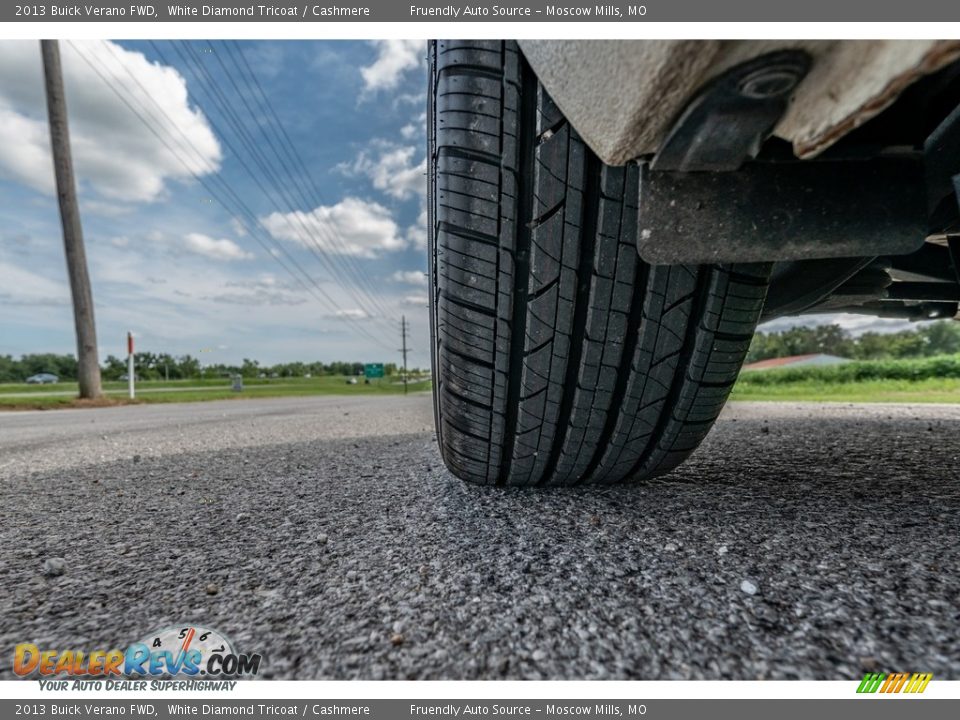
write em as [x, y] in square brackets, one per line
[559, 357]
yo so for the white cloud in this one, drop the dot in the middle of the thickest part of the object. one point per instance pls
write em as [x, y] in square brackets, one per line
[351, 227]
[416, 128]
[393, 170]
[108, 209]
[257, 297]
[417, 233]
[394, 58]
[349, 314]
[222, 249]
[19, 286]
[417, 300]
[410, 277]
[115, 154]
[194, 309]
[418, 99]
[856, 325]
[239, 228]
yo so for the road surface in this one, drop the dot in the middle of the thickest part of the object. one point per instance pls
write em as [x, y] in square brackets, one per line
[802, 541]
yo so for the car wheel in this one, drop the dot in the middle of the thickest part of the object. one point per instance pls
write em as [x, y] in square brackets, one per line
[560, 357]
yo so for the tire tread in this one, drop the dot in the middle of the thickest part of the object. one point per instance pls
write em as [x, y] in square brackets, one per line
[560, 356]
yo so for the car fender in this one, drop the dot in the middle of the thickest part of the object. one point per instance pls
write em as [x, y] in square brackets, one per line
[623, 96]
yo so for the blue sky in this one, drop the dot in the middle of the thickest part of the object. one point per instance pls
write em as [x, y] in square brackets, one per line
[167, 261]
[188, 276]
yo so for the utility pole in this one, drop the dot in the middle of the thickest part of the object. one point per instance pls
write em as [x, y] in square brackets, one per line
[403, 333]
[88, 362]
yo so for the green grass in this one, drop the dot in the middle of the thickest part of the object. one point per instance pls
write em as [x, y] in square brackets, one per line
[931, 368]
[945, 390]
[23, 397]
[925, 380]
[920, 380]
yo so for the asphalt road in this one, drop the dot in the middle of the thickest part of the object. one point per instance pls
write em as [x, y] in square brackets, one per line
[802, 541]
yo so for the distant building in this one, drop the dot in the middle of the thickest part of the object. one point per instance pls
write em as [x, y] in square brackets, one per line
[797, 361]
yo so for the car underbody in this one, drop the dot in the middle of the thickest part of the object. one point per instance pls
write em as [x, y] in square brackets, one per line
[843, 175]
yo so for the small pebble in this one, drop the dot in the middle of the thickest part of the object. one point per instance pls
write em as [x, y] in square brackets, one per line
[54, 567]
[748, 587]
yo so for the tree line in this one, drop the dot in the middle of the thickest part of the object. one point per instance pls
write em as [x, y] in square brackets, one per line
[162, 366]
[927, 340]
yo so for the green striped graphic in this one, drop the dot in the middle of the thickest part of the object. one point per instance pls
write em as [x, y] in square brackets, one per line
[871, 682]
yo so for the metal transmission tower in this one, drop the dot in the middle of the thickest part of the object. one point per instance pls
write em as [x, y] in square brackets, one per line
[88, 362]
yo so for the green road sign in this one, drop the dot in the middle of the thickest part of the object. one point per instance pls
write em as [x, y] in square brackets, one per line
[373, 370]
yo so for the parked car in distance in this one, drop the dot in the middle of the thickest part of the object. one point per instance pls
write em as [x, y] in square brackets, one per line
[42, 379]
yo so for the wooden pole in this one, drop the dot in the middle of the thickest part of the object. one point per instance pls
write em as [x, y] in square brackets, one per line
[88, 362]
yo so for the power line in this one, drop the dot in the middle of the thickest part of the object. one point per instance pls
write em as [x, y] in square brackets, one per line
[290, 151]
[331, 234]
[243, 211]
[338, 311]
[249, 144]
[294, 220]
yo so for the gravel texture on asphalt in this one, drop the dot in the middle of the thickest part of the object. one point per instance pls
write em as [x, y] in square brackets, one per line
[801, 541]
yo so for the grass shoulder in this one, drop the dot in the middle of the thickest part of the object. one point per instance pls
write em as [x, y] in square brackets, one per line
[64, 395]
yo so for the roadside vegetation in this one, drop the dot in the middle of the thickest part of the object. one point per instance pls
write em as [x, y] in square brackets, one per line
[163, 366]
[924, 340]
[917, 365]
[921, 364]
[934, 379]
[19, 396]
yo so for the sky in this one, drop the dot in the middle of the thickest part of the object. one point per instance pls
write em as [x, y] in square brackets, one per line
[316, 148]
[322, 245]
